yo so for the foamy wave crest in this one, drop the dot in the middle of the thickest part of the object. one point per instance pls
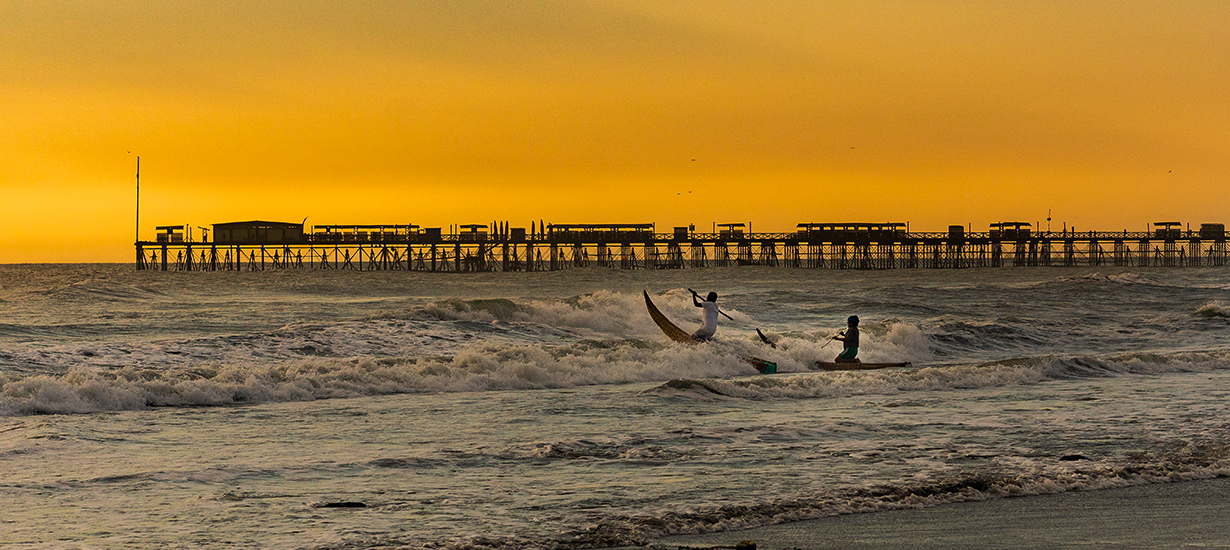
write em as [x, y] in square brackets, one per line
[1186, 461]
[607, 449]
[893, 381]
[1213, 309]
[496, 309]
[602, 311]
[479, 368]
[959, 336]
[1136, 363]
[822, 385]
[378, 339]
[1115, 278]
[1042, 475]
[94, 289]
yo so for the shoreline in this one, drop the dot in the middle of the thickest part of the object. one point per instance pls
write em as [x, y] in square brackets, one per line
[1160, 515]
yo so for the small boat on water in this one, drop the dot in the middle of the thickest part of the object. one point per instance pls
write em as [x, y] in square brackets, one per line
[828, 365]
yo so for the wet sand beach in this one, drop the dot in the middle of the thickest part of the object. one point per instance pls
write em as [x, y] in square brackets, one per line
[1192, 514]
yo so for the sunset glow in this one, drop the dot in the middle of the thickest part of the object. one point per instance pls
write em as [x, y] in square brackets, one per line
[1110, 114]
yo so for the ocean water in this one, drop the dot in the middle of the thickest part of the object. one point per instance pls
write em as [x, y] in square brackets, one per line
[342, 409]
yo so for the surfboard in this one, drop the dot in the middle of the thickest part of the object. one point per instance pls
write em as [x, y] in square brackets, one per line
[827, 365]
[677, 334]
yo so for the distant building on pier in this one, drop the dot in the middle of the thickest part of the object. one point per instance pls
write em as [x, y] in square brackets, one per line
[258, 232]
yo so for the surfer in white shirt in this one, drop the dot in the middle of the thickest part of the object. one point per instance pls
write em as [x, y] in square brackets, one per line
[711, 315]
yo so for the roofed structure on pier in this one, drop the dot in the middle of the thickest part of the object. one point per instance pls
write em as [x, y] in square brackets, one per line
[258, 232]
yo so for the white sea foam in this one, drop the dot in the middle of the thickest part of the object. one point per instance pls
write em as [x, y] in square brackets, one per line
[1022, 371]
[602, 311]
[482, 367]
[307, 363]
[1213, 309]
[1115, 278]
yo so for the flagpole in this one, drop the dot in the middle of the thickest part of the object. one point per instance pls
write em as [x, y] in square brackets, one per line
[138, 234]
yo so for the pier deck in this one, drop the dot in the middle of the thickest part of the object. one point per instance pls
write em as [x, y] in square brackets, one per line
[472, 250]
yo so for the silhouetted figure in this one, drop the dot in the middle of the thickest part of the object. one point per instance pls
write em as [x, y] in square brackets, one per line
[710, 306]
[850, 338]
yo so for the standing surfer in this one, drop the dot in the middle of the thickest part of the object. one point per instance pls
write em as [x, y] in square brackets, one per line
[850, 338]
[711, 315]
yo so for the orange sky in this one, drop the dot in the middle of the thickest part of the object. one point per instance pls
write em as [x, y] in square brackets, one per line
[1112, 114]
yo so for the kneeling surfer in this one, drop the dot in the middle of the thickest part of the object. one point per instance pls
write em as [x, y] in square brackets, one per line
[850, 338]
[711, 315]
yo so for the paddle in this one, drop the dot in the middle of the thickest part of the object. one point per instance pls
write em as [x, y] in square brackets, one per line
[765, 339]
[719, 309]
[826, 344]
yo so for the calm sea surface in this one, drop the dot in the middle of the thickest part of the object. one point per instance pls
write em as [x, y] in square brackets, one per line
[342, 409]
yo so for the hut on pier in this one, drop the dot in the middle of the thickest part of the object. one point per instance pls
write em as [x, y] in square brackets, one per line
[258, 232]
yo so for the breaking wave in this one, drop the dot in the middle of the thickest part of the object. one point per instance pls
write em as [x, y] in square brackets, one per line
[604, 337]
[1180, 461]
[1214, 309]
[894, 381]
[701, 372]
[1185, 461]
[481, 368]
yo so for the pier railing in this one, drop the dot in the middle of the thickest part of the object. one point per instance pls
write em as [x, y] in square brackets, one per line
[495, 252]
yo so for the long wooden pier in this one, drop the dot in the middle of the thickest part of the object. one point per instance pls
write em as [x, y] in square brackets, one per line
[636, 246]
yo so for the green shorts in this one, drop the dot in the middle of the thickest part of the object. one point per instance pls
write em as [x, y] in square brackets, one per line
[848, 353]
